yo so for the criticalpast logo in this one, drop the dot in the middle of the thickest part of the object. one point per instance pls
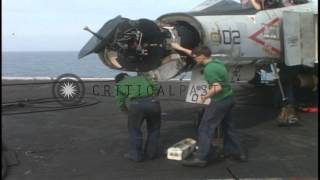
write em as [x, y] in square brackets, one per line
[68, 89]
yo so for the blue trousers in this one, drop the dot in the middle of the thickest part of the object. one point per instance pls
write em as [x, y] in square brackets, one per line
[216, 113]
[145, 109]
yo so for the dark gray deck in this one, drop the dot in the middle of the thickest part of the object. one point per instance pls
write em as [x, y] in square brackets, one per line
[88, 142]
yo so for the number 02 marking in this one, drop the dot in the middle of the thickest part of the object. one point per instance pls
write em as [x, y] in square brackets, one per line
[231, 37]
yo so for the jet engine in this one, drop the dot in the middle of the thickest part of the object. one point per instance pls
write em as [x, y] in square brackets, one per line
[144, 45]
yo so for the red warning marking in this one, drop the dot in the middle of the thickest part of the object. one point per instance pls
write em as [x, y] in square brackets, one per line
[255, 35]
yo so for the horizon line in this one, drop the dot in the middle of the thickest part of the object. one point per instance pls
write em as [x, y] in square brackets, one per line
[41, 51]
[82, 78]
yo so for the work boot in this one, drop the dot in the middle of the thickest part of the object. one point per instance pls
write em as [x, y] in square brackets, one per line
[194, 162]
[131, 157]
[240, 157]
[288, 116]
[154, 157]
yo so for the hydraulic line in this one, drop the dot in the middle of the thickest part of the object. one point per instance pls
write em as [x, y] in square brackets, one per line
[37, 105]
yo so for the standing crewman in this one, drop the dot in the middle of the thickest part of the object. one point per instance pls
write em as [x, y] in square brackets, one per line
[140, 91]
[218, 111]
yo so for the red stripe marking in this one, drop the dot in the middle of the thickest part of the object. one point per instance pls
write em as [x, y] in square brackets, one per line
[261, 42]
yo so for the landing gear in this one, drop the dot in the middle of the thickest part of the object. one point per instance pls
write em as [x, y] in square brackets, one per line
[288, 115]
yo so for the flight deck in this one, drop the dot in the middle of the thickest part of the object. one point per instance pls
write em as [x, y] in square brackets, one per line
[88, 141]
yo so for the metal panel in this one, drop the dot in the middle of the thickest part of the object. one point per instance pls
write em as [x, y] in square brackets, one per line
[316, 38]
[197, 87]
[299, 38]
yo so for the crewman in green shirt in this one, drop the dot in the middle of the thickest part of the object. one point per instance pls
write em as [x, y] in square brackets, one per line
[218, 111]
[140, 92]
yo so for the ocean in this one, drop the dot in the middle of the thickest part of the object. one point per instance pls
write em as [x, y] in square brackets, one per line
[53, 64]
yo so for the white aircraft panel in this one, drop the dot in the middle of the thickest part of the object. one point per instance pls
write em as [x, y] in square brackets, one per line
[299, 41]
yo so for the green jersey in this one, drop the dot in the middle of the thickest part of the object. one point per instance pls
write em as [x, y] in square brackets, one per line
[133, 87]
[215, 72]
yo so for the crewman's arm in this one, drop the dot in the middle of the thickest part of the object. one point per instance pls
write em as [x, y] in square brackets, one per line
[178, 47]
[153, 87]
[121, 99]
[256, 5]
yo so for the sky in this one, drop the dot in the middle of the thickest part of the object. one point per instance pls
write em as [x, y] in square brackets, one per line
[57, 25]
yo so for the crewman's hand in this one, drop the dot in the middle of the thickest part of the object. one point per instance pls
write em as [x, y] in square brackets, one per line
[175, 46]
[124, 109]
[201, 99]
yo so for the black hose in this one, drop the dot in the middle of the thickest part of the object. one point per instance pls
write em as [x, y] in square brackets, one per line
[231, 173]
[28, 101]
[35, 103]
